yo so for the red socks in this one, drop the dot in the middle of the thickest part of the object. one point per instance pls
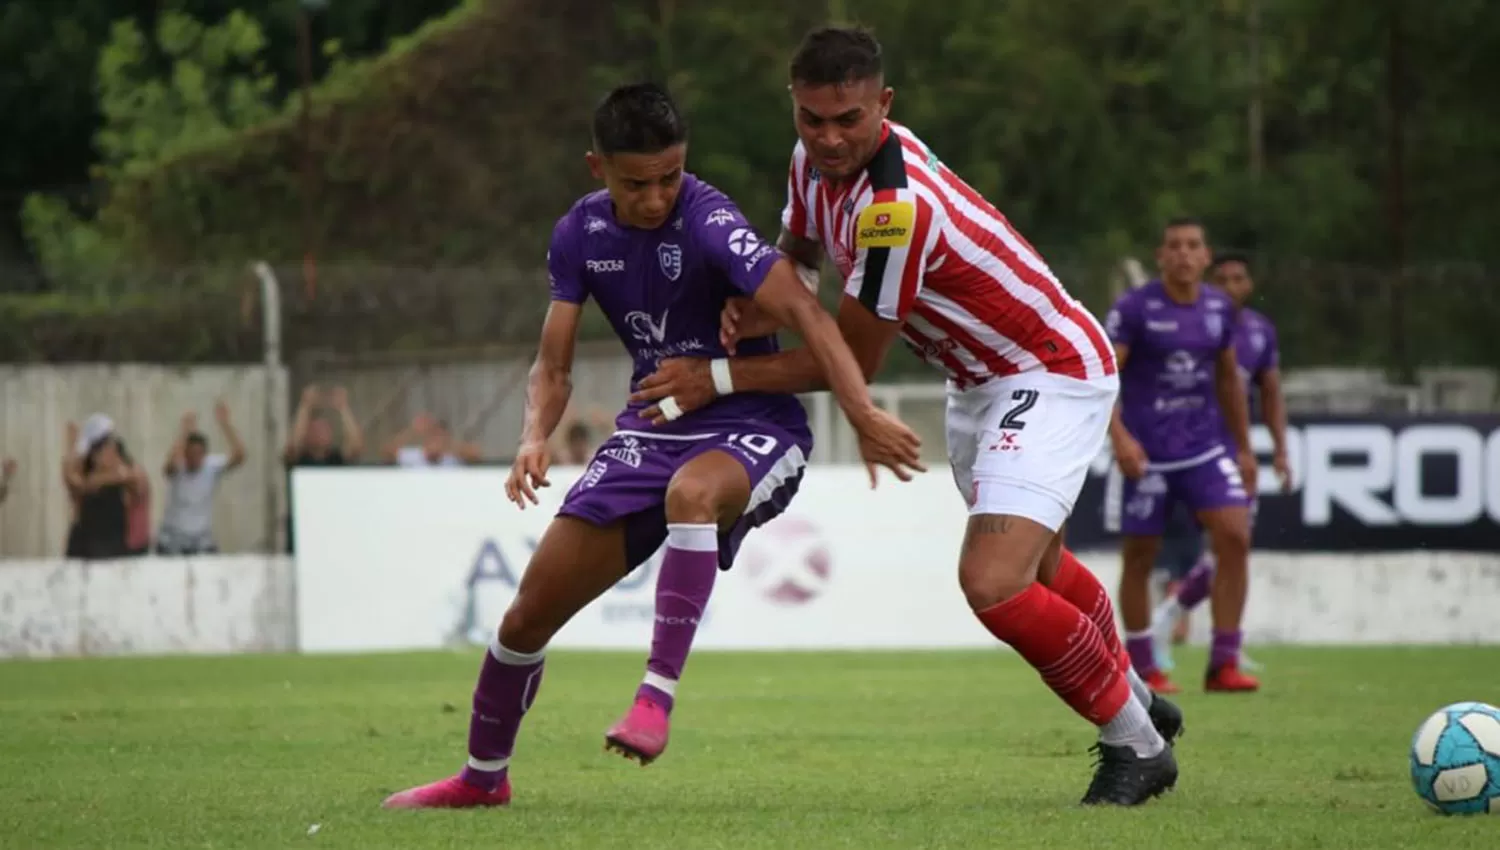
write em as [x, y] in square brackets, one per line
[1076, 584]
[1065, 647]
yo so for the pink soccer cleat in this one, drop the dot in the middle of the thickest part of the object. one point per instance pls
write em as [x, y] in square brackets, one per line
[641, 734]
[450, 793]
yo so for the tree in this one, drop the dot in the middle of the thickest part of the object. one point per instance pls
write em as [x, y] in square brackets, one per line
[214, 84]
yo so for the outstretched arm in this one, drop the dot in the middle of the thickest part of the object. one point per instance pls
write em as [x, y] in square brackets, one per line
[840, 356]
[550, 382]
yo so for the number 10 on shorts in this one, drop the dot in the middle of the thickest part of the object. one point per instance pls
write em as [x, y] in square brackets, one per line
[761, 444]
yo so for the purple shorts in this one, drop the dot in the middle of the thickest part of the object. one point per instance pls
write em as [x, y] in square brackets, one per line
[628, 477]
[1147, 502]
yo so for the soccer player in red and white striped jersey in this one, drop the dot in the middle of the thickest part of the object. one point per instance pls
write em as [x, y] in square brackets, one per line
[1031, 382]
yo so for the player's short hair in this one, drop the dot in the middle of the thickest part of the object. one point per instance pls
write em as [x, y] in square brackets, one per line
[196, 439]
[1185, 221]
[830, 56]
[579, 431]
[637, 118]
[1224, 258]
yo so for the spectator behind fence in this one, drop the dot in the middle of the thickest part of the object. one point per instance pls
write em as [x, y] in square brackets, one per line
[311, 442]
[579, 439]
[428, 442]
[104, 485]
[7, 472]
[187, 525]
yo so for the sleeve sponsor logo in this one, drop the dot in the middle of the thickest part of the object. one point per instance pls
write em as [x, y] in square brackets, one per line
[885, 225]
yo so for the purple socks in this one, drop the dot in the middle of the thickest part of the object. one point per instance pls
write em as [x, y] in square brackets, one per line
[1142, 650]
[683, 586]
[508, 683]
[1225, 649]
[1196, 584]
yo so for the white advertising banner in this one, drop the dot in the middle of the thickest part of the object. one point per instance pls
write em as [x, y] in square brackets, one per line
[423, 558]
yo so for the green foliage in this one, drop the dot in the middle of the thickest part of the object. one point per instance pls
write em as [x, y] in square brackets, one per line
[216, 84]
[1087, 124]
[213, 85]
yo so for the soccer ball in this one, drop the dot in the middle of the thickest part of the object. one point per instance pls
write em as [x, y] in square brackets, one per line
[1455, 759]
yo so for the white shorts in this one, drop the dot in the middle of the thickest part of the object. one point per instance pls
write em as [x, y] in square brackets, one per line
[1021, 445]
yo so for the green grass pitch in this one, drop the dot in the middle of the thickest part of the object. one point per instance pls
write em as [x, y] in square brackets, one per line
[859, 750]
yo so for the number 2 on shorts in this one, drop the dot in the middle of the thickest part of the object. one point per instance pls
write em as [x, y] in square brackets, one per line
[1025, 400]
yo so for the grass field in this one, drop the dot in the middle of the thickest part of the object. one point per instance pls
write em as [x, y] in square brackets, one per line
[942, 750]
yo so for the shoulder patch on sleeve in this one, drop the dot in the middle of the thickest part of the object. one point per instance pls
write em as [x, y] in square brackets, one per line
[888, 224]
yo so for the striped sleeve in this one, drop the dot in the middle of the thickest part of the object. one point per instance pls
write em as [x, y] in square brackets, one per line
[894, 237]
[796, 217]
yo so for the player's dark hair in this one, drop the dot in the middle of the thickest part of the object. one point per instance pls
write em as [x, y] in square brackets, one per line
[1185, 221]
[637, 118]
[1227, 257]
[196, 439]
[579, 431]
[830, 56]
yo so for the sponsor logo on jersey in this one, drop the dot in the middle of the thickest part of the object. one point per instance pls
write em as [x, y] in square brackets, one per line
[598, 266]
[645, 328]
[720, 217]
[743, 241]
[885, 225]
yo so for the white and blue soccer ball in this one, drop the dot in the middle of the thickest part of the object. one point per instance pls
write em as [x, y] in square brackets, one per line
[1455, 759]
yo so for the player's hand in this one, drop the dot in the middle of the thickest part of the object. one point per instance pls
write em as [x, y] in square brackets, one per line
[528, 474]
[729, 322]
[686, 379]
[885, 441]
[7, 469]
[1249, 470]
[1283, 470]
[1131, 457]
[741, 319]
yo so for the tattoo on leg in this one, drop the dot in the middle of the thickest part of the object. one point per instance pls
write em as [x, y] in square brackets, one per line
[986, 524]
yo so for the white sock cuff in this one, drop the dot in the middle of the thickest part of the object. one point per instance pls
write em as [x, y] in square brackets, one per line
[693, 536]
[513, 658]
[1143, 633]
[488, 765]
[661, 683]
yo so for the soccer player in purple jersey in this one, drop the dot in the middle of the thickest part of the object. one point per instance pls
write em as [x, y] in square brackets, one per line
[1259, 359]
[661, 252]
[1180, 392]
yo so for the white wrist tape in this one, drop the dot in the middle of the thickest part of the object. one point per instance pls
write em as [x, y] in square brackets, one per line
[808, 276]
[723, 380]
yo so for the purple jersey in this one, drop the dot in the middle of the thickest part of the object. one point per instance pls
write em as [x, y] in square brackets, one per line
[662, 290]
[1168, 391]
[1255, 349]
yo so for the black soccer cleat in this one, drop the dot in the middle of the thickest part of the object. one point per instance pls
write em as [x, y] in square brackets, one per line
[1166, 717]
[1123, 778]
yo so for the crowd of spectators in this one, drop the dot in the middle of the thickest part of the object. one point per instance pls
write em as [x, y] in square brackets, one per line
[110, 490]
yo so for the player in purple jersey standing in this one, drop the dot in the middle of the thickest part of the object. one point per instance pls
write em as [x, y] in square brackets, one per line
[660, 252]
[1180, 391]
[1259, 359]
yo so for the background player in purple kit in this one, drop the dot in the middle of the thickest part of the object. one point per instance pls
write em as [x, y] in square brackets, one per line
[660, 252]
[1179, 391]
[1259, 359]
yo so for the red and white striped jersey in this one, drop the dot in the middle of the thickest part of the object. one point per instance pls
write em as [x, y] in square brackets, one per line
[916, 244]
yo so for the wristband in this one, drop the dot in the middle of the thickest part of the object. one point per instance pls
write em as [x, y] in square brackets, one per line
[723, 380]
[808, 276]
